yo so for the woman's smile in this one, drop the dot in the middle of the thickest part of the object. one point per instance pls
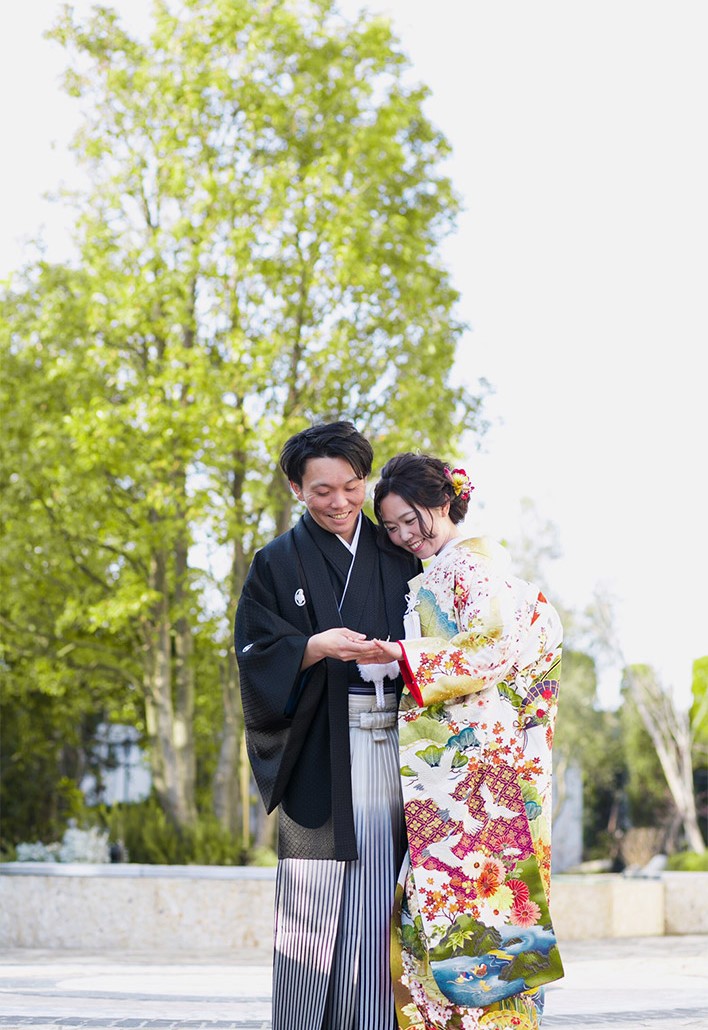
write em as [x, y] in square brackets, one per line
[423, 532]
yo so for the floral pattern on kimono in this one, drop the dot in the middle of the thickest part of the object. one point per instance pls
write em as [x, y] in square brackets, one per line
[472, 939]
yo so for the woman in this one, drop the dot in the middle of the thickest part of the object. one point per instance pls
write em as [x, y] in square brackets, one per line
[472, 940]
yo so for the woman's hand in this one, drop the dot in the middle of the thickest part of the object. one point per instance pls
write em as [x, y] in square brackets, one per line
[345, 644]
[387, 651]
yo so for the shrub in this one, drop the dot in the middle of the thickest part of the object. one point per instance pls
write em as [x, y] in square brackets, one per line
[149, 836]
[688, 862]
[37, 852]
[87, 845]
[77, 845]
[142, 832]
[262, 856]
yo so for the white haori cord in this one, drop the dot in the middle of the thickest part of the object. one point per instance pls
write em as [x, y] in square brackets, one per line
[376, 674]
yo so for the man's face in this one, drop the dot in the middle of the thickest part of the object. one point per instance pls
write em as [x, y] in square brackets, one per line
[333, 495]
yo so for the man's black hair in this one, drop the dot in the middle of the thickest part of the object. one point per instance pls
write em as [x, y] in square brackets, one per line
[326, 440]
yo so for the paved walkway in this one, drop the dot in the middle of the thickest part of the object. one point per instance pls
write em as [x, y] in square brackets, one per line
[653, 983]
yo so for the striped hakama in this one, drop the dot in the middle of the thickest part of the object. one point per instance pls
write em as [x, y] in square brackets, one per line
[332, 919]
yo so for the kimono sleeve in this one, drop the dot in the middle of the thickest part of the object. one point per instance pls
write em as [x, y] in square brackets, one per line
[482, 621]
[269, 650]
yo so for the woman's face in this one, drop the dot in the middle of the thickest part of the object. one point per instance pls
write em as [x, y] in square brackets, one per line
[400, 520]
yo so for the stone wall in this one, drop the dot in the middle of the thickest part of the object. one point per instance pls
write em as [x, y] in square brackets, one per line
[137, 907]
[686, 902]
[606, 905]
[219, 908]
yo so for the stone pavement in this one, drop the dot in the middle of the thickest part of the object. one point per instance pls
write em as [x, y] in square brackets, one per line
[656, 983]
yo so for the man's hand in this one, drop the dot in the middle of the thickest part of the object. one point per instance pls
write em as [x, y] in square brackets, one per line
[340, 642]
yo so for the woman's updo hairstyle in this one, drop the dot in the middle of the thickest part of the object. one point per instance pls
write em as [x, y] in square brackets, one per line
[423, 482]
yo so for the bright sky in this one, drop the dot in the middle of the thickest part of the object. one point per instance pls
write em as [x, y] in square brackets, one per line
[579, 139]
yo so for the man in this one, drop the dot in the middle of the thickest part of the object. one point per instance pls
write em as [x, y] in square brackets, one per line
[322, 748]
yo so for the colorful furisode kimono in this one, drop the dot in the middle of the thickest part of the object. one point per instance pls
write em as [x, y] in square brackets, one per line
[472, 939]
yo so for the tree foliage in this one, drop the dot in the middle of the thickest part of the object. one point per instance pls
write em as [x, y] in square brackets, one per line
[257, 249]
[670, 728]
[589, 737]
[699, 708]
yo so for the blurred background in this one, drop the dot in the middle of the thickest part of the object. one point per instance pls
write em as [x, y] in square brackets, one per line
[479, 232]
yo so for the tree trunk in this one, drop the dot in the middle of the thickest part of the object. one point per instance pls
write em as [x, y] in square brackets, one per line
[244, 778]
[183, 734]
[233, 765]
[225, 786]
[267, 833]
[169, 731]
[670, 732]
[283, 503]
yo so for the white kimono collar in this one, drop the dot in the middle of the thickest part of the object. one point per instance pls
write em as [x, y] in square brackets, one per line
[355, 539]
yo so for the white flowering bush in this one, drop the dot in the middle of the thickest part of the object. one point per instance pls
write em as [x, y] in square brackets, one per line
[37, 852]
[84, 845]
[75, 846]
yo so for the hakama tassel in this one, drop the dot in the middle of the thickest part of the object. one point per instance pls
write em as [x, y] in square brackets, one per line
[376, 674]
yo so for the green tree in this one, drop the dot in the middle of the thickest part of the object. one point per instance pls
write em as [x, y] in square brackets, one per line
[671, 733]
[648, 797]
[589, 737]
[669, 727]
[258, 248]
[61, 673]
[699, 724]
[699, 707]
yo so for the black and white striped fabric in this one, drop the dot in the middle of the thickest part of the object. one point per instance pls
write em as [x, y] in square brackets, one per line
[332, 919]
